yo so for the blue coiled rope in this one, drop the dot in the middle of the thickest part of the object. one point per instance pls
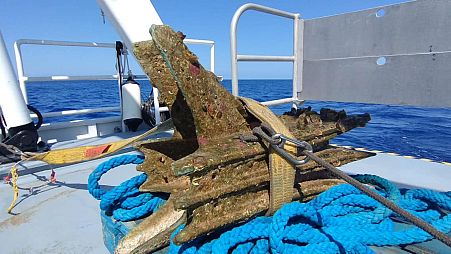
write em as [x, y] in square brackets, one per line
[340, 220]
[124, 202]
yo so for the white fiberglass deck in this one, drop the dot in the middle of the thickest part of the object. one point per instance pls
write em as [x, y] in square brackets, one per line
[64, 218]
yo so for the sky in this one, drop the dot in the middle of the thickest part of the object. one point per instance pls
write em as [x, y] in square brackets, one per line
[80, 20]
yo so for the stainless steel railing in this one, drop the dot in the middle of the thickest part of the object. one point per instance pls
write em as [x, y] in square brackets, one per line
[296, 58]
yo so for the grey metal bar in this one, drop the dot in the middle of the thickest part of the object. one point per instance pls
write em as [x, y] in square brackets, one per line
[65, 43]
[233, 28]
[198, 42]
[250, 58]
[88, 77]
[60, 78]
[280, 102]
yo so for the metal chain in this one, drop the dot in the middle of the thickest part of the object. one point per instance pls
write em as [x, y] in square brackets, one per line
[265, 132]
[278, 142]
[299, 144]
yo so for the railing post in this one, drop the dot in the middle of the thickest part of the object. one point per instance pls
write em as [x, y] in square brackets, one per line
[212, 58]
[296, 58]
[20, 70]
[298, 53]
[156, 105]
[233, 51]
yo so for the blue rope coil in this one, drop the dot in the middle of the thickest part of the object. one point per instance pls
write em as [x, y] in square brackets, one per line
[125, 202]
[340, 220]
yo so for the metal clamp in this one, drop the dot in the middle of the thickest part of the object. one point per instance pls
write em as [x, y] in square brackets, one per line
[282, 140]
[278, 141]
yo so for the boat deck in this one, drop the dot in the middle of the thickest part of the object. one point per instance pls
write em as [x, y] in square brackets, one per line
[404, 172]
[61, 217]
[64, 218]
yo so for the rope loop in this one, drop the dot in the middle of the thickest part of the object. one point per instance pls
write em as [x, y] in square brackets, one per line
[125, 202]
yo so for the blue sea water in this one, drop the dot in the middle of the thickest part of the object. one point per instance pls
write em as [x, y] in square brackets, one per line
[414, 131]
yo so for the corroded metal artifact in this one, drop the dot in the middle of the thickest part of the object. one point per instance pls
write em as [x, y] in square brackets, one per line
[216, 179]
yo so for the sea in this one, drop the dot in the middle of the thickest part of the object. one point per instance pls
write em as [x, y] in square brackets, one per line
[410, 131]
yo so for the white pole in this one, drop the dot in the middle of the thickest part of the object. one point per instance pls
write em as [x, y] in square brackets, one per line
[12, 102]
[212, 58]
[131, 19]
[156, 105]
[298, 53]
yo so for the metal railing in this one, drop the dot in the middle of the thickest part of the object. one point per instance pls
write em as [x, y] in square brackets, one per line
[296, 58]
[205, 42]
[23, 79]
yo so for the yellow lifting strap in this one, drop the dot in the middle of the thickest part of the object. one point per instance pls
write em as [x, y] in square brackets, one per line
[281, 172]
[84, 153]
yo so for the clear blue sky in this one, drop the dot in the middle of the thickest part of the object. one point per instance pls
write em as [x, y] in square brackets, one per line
[80, 20]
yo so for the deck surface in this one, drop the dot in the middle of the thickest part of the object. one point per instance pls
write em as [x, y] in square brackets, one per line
[61, 217]
[58, 218]
[404, 172]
